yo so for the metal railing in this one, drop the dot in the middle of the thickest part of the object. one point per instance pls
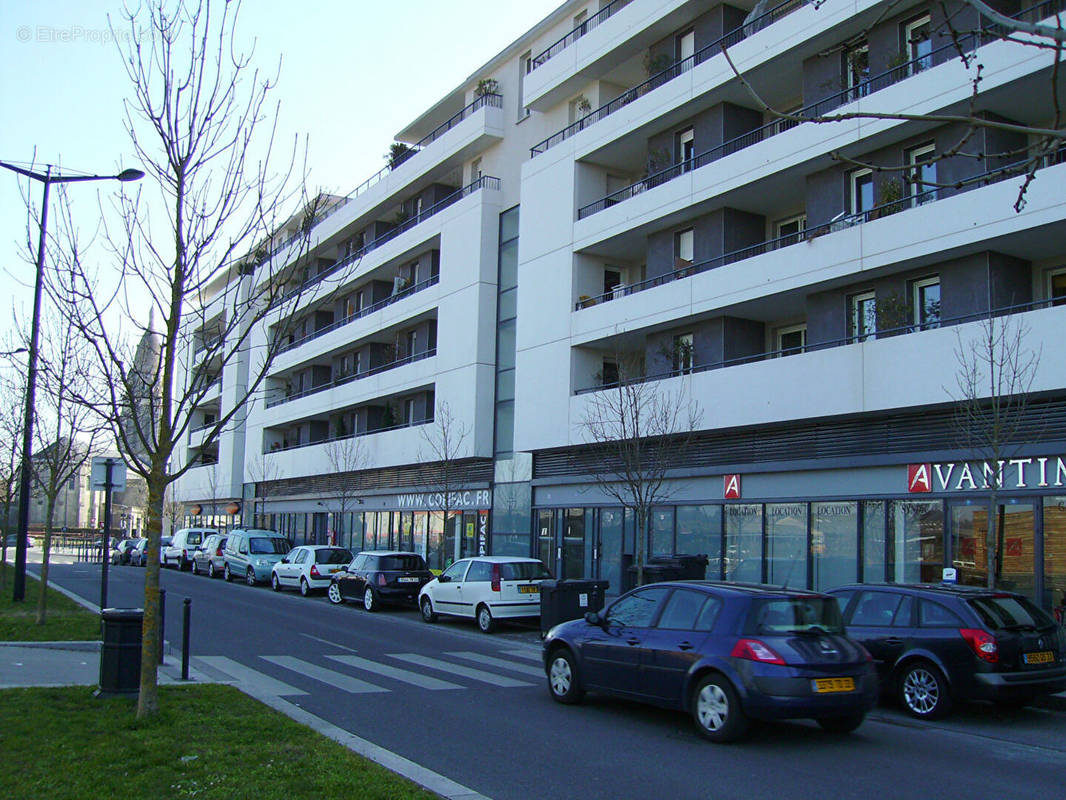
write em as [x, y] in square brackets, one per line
[578, 31]
[671, 72]
[399, 426]
[333, 384]
[485, 181]
[370, 309]
[1014, 169]
[1000, 311]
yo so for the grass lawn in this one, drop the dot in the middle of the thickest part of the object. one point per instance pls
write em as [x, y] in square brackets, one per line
[65, 620]
[206, 742]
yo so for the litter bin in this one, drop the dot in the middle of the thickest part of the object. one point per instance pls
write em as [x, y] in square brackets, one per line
[564, 600]
[682, 566]
[120, 654]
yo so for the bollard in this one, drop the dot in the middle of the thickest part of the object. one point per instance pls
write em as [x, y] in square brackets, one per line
[162, 621]
[187, 613]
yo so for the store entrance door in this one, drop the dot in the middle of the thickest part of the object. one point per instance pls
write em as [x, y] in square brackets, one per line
[1015, 535]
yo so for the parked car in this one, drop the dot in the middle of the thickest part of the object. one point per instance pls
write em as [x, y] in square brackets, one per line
[121, 553]
[13, 540]
[252, 552]
[164, 543]
[308, 567]
[208, 557]
[139, 553]
[486, 589]
[182, 546]
[934, 644]
[726, 653]
[375, 577]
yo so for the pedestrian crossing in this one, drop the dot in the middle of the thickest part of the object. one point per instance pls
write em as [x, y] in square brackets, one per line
[444, 671]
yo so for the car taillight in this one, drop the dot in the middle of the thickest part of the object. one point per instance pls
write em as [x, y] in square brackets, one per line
[982, 643]
[495, 577]
[314, 571]
[381, 579]
[754, 650]
[218, 552]
[184, 553]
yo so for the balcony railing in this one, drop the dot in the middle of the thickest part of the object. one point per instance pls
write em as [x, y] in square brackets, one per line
[485, 181]
[354, 377]
[1014, 169]
[281, 448]
[580, 30]
[207, 345]
[1001, 311]
[363, 312]
[671, 72]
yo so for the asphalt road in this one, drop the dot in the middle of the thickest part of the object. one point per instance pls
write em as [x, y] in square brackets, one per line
[475, 708]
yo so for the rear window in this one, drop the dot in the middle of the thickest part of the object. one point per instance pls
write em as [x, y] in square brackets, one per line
[194, 538]
[1010, 613]
[165, 541]
[333, 555]
[401, 563]
[268, 545]
[524, 571]
[795, 615]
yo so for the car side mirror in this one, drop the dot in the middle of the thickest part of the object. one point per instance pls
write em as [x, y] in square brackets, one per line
[285, 560]
[444, 579]
[593, 618]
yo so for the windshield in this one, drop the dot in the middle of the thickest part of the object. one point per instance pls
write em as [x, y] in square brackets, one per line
[524, 571]
[268, 545]
[1007, 612]
[401, 563]
[796, 615]
[333, 555]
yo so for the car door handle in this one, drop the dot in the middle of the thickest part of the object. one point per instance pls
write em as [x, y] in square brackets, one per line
[893, 640]
[632, 642]
[684, 646]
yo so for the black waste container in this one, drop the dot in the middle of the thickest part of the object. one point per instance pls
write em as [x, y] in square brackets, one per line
[120, 655]
[683, 566]
[653, 573]
[561, 601]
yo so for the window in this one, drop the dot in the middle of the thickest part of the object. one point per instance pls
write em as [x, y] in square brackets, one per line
[683, 248]
[480, 571]
[875, 609]
[409, 410]
[918, 43]
[921, 174]
[580, 28]
[636, 610]
[788, 230]
[685, 47]
[791, 340]
[904, 614]
[475, 170]
[857, 70]
[682, 610]
[863, 316]
[686, 148]
[934, 615]
[927, 303]
[861, 191]
[525, 66]
[456, 570]
[360, 300]
[1056, 287]
[683, 353]
[412, 342]
[611, 279]
[609, 375]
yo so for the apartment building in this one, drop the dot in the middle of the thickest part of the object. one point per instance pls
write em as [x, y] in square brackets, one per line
[607, 201]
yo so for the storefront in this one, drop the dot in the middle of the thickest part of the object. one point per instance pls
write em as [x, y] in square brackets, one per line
[823, 528]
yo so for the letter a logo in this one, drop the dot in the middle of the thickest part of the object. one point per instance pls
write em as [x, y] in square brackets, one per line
[918, 478]
[731, 487]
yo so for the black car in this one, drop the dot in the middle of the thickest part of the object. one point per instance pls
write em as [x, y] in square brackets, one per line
[380, 576]
[725, 652]
[121, 553]
[937, 643]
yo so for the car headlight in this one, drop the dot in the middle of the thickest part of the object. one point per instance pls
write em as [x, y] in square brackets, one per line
[261, 562]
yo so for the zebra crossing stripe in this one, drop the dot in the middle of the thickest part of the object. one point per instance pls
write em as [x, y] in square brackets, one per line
[532, 655]
[254, 680]
[456, 669]
[337, 680]
[403, 675]
[489, 661]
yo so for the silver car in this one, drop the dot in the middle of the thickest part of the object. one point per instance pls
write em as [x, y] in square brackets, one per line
[208, 559]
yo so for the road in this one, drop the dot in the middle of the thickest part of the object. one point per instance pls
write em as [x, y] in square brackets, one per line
[475, 709]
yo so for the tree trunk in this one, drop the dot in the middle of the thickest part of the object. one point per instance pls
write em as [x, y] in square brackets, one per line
[151, 635]
[991, 548]
[640, 541]
[42, 598]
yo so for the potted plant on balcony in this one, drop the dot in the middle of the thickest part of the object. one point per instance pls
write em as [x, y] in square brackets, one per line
[398, 153]
[890, 198]
[582, 105]
[487, 86]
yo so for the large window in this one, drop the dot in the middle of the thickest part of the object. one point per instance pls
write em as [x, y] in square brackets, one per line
[863, 316]
[686, 148]
[875, 566]
[921, 174]
[917, 35]
[926, 302]
[834, 544]
[699, 531]
[786, 544]
[684, 248]
[743, 542]
[684, 359]
[662, 532]
[916, 538]
[860, 191]
[789, 230]
[857, 70]
[791, 340]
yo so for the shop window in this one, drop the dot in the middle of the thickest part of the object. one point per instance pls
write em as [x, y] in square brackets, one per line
[926, 301]
[791, 340]
[916, 539]
[834, 544]
[1054, 552]
[743, 543]
[699, 532]
[863, 316]
[662, 532]
[921, 175]
[786, 544]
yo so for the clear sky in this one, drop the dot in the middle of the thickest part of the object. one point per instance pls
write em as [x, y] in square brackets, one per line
[353, 74]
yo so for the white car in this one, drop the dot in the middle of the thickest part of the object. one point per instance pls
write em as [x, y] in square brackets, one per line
[485, 588]
[309, 567]
[183, 544]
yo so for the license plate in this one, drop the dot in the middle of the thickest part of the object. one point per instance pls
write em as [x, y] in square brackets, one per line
[534, 589]
[407, 580]
[1043, 657]
[822, 685]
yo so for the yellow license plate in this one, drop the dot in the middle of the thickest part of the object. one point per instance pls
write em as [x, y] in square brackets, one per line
[834, 685]
[1043, 657]
[529, 590]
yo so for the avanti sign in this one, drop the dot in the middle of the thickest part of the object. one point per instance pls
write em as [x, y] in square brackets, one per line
[965, 476]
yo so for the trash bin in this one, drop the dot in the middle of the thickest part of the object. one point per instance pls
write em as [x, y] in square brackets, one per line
[653, 573]
[683, 567]
[120, 654]
[564, 600]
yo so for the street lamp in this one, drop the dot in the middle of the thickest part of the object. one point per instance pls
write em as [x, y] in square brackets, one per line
[48, 177]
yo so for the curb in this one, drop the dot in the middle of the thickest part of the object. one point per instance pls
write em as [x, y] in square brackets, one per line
[1051, 702]
[92, 646]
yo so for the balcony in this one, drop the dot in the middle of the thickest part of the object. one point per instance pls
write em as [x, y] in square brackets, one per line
[587, 25]
[277, 401]
[282, 448]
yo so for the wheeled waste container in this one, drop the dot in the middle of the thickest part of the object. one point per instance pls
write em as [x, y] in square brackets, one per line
[565, 600]
[120, 654]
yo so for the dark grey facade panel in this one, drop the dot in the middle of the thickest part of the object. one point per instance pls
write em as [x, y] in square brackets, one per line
[471, 472]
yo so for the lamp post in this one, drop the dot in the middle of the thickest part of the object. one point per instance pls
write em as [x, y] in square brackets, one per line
[48, 177]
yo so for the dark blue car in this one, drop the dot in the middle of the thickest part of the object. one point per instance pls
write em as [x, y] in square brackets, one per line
[725, 652]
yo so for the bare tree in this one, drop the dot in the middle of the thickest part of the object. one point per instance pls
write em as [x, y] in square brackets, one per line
[996, 370]
[637, 433]
[346, 455]
[11, 401]
[213, 263]
[173, 510]
[262, 470]
[442, 460]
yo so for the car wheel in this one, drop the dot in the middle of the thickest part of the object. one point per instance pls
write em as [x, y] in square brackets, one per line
[844, 724]
[275, 584]
[716, 710]
[305, 587]
[249, 577]
[210, 569]
[370, 600]
[334, 594]
[195, 569]
[563, 681]
[227, 574]
[924, 691]
[428, 614]
[485, 622]
[183, 564]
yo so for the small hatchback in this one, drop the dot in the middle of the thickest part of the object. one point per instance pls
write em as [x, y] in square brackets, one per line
[486, 589]
[208, 558]
[376, 577]
[933, 644]
[726, 653]
[252, 553]
[308, 567]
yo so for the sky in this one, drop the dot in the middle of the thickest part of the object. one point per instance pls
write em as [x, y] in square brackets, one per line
[352, 75]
